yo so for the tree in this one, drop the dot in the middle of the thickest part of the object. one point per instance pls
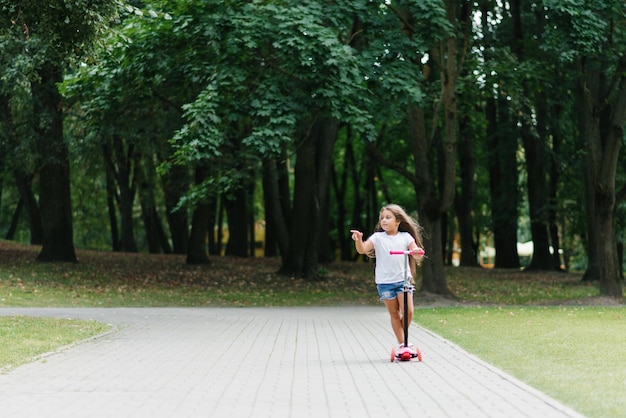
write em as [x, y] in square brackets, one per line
[533, 130]
[130, 100]
[591, 37]
[51, 35]
[284, 71]
[464, 200]
[311, 193]
[434, 150]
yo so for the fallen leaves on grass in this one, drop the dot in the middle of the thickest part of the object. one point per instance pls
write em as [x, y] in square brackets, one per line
[139, 279]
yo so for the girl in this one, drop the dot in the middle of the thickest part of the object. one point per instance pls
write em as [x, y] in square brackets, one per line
[395, 231]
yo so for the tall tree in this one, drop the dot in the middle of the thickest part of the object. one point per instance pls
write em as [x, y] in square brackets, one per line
[277, 204]
[433, 173]
[501, 141]
[52, 35]
[591, 36]
[533, 108]
[311, 194]
[464, 197]
[134, 92]
[287, 69]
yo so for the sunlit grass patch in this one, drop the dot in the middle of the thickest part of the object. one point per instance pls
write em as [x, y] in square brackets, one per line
[24, 338]
[574, 354]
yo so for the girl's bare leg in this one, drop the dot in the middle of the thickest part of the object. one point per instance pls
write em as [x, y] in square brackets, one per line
[393, 307]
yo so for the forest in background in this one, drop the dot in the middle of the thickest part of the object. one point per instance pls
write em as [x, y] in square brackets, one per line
[162, 126]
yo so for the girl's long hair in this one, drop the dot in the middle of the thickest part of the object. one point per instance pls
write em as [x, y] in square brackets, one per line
[407, 224]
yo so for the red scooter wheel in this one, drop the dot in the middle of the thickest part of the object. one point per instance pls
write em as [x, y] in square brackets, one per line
[393, 354]
[419, 354]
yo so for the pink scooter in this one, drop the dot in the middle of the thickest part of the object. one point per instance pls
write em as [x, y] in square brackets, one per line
[406, 352]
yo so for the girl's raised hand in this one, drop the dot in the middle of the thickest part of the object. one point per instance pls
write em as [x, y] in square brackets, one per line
[356, 235]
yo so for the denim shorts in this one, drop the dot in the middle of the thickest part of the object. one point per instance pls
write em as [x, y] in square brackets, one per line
[389, 291]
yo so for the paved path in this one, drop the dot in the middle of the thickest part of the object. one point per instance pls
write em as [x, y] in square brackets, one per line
[259, 362]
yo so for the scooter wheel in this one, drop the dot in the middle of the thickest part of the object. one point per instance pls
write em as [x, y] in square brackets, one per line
[419, 354]
[393, 354]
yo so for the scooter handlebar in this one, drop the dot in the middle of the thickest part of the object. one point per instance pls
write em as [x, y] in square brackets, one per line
[419, 251]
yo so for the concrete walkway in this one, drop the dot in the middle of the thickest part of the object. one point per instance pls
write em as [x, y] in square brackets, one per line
[259, 362]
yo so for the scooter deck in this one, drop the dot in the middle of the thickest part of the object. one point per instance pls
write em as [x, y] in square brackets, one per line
[405, 354]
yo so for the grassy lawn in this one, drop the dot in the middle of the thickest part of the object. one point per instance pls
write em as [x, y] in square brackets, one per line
[105, 279]
[547, 329]
[574, 354]
[25, 338]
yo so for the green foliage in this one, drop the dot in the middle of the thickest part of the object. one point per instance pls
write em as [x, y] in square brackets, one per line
[584, 28]
[56, 30]
[232, 82]
[273, 64]
[226, 83]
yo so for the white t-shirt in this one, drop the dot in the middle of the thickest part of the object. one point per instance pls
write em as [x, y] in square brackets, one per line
[391, 268]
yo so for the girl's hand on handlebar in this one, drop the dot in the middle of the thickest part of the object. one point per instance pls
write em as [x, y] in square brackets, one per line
[418, 254]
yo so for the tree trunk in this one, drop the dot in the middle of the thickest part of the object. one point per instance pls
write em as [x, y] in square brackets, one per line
[15, 220]
[553, 198]
[112, 202]
[449, 57]
[339, 187]
[537, 195]
[610, 277]
[216, 224]
[7, 136]
[534, 136]
[276, 229]
[309, 199]
[175, 183]
[54, 169]
[502, 165]
[301, 257]
[464, 199]
[155, 234]
[124, 174]
[601, 126]
[24, 185]
[328, 133]
[586, 93]
[432, 266]
[197, 246]
[362, 183]
[237, 210]
[430, 206]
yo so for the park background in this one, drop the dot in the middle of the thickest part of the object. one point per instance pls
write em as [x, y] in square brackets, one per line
[188, 127]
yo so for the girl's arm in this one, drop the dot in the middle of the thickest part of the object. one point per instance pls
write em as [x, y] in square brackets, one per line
[361, 247]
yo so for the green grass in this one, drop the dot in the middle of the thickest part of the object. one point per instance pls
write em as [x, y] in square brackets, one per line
[516, 287]
[25, 338]
[103, 279]
[574, 354]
